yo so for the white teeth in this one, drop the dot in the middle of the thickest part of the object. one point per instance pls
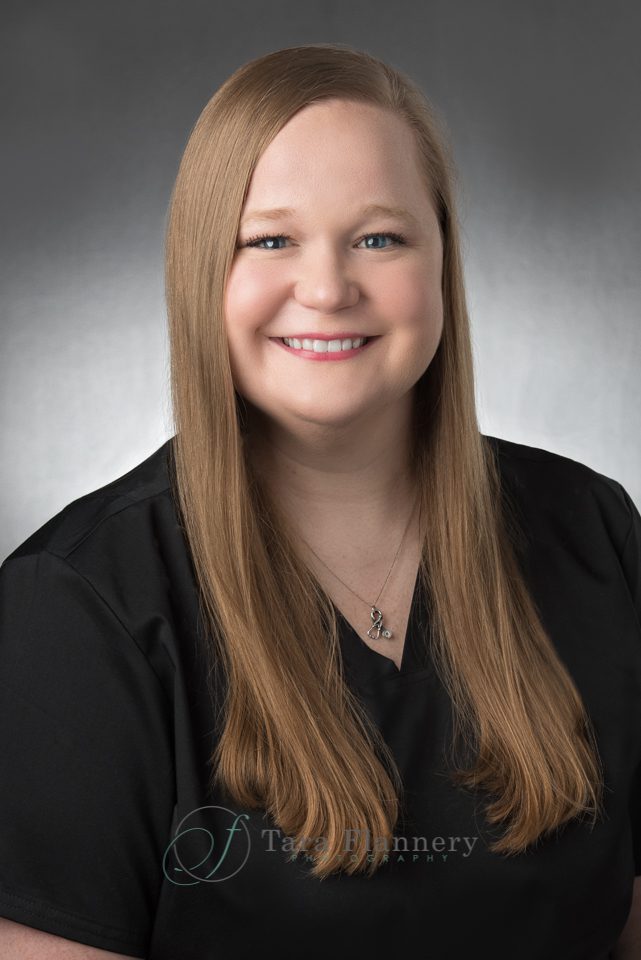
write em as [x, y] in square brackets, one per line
[324, 346]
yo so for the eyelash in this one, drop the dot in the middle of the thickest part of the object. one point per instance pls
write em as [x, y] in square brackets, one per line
[397, 237]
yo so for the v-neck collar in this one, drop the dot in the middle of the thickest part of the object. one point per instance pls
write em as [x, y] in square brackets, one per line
[364, 665]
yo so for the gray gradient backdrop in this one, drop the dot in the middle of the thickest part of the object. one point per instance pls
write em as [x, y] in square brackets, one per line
[541, 102]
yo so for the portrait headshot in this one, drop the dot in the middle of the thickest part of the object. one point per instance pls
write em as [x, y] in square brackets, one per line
[320, 596]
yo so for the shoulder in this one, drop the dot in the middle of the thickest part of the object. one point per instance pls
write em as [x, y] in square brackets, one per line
[550, 490]
[100, 580]
[102, 511]
[110, 557]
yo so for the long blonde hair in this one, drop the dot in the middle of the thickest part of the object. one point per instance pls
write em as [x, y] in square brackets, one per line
[294, 739]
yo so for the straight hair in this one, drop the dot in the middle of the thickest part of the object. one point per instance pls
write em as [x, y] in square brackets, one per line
[293, 738]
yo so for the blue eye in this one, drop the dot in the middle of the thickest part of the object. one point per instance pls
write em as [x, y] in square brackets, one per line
[263, 237]
[397, 238]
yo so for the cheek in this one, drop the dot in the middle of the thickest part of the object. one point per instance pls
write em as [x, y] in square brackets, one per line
[250, 300]
[415, 308]
[250, 304]
[415, 303]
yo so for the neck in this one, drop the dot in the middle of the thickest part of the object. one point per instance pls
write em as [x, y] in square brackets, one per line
[349, 490]
[361, 469]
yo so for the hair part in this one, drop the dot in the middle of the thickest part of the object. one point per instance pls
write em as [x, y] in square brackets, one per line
[294, 739]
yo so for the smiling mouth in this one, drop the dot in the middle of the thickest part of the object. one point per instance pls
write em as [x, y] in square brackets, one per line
[324, 350]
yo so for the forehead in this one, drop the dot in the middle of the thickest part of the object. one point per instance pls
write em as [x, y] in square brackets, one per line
[338, 151]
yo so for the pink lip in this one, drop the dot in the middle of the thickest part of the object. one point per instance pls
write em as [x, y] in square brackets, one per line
[322, 336]
[311, 355]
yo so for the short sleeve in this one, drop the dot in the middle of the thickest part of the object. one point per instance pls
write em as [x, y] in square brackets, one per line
[86, 762]
[631, 565]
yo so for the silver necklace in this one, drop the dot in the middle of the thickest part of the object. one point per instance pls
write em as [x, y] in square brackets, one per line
[375, 614]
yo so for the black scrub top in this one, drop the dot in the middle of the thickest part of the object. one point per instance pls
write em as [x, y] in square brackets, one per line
[109, 837]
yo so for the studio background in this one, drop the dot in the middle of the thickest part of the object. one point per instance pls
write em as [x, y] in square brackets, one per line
[540, 102]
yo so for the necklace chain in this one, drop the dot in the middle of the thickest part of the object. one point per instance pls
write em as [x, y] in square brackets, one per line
[375, 614]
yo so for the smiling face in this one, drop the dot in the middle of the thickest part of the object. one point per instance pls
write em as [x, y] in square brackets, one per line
[339, 269]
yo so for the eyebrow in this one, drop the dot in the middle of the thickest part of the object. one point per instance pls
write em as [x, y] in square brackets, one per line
[371, 210]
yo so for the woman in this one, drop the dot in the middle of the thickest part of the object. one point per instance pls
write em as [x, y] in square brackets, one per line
[331, 672]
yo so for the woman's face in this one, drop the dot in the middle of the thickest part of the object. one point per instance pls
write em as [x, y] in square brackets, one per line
[338, 272]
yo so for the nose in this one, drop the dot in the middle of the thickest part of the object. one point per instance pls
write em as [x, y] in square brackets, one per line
[323, 282]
